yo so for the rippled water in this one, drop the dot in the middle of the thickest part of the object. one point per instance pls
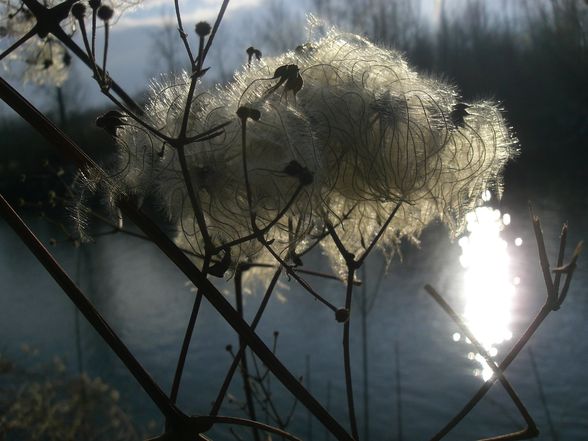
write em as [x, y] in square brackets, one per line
[421, 369]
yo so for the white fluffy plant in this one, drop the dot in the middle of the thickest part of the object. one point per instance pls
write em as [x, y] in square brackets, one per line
[344, 134]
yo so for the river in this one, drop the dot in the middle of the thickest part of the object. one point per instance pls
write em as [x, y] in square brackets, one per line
[421, 370]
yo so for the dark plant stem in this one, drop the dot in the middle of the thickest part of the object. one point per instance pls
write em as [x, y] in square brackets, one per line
[560, 256]
[254, 425]
[244, 368]
[375, 240]
[303, 283]
[531, 428]
[237, 359]
[69, 149]
[514, 352]
[246, 172]
[347, 355]
[105, 53]
[194, 200]
[18, 42]
[364, 353]
[183, 34]
[69, 43]
[261, 231]
[185, 346]
[61, 107]
[92, 52]
[543, 260]
[200, 57]
[88, 310]
[89, 51]
[215, 27]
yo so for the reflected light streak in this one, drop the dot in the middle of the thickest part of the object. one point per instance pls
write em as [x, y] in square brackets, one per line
[488, 285]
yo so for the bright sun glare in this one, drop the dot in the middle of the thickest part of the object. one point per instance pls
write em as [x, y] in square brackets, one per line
[489, 286]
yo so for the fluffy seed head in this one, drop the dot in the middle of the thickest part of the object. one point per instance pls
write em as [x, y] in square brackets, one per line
[345, 138]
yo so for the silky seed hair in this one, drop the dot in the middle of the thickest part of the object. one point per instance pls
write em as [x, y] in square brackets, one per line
[371, 131]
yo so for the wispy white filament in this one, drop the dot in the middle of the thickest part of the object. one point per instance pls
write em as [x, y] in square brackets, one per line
[372, 131]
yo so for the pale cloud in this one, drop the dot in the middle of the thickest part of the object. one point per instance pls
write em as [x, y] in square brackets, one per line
[153, 12]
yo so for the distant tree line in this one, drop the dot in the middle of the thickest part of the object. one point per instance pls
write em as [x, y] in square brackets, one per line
[533, 59]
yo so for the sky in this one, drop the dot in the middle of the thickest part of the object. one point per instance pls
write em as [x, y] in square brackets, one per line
[135, 58]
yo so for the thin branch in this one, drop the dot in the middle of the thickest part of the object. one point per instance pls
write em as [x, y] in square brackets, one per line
[92, 54]
[185, 346]
[90, 313]
[244, 368]
[78, 52]
[375, 240]
[195, 201]
[236, 360]
[18, 42]
[531, 429]
[549, 305]
[349, 257]
[105, 55]
[261, 231]
[89, 51]
[347, 355]
[204, 136]
[59, 140]
[514, 352]
[296, 277]
[183, 34]
[560, 257]
[254, 424]
[543, 259]
[569, 271]
[215, 27]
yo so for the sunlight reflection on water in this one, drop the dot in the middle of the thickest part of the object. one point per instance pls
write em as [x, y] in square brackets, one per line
[488, 286]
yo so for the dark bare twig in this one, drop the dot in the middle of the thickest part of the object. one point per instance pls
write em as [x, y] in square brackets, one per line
[244, 368]
[531, 429]
[89, 312]
[59, 140]
[543, 259]
[553, 301]
[19, 42]
[236, 360]
[183, 34]
[185, 346]
[347, 355]
[256, 425]
[560, 257]
[375, 240]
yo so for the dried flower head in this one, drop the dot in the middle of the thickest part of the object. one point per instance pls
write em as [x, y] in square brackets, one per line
[105, 13]
[347, 131]
[42, 59]
[202, 29]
